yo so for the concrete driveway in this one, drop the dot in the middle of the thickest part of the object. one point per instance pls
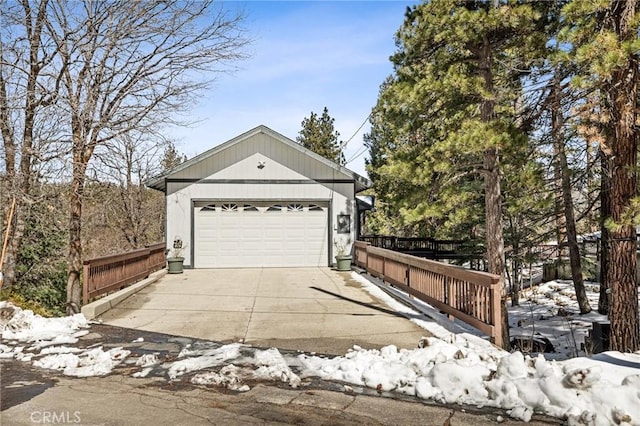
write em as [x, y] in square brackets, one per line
[308, 309]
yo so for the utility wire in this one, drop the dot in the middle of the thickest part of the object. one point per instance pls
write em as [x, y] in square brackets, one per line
[344, 145]
[358, 153]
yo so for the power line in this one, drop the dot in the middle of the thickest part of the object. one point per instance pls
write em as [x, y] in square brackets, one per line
[344, 145]
[358, 153]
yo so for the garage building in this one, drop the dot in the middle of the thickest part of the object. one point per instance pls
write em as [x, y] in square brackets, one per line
[260, 200]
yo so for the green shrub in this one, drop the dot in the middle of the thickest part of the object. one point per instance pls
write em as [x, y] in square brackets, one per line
[24, 303]
[41, 269]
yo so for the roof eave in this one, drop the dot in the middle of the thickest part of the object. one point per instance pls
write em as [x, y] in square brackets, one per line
[157, 182]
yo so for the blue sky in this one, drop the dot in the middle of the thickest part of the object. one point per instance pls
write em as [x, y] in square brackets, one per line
[306, 55]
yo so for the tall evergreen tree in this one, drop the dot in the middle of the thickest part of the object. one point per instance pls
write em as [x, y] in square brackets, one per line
[319, 135]
[605, 47]
[458, 72]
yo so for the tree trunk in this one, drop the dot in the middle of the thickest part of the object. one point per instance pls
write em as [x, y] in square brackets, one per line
[8, 268]
[561, 220]
[604, 299]
[623, 98]
[495, 242]
[16, 232]
[492, 200]
[622, 269]
[567, 200]
[515, 266]
[74, 260]
[19, 182]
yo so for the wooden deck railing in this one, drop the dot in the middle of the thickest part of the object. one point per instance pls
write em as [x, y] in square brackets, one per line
[471, 296]
[429, 248]
[105, 274]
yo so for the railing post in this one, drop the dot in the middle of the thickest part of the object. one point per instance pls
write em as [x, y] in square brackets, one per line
[366, 256]
[451, 289]
[408, 275]
[148, 260]
[85, 283]
[496, 312]
[384, 264]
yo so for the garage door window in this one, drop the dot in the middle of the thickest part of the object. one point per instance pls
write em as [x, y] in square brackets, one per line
[229, 208]
[295, 207]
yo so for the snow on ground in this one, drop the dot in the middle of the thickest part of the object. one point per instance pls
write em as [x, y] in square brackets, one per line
[550, 310]
[451, 365]
[202, 360]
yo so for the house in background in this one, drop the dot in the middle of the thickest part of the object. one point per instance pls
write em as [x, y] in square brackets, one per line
[260, 200]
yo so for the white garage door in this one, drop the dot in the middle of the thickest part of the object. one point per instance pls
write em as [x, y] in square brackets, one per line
[232, 235]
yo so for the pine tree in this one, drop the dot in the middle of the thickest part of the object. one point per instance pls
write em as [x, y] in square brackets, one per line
[452, 108]
[171, 157]
[319, 135]
[605, 49]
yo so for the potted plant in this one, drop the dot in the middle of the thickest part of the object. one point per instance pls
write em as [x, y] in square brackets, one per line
[343, 255]
[175, 257]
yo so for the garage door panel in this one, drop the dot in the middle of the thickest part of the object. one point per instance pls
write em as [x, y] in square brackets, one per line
[276, 235]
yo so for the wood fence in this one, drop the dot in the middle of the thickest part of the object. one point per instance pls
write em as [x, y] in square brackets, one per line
[105, 274]
[471, 296]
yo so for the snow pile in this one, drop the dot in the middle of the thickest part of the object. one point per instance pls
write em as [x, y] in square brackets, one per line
[264, 365]
[92, 362]
[229, 377]
[46, 337]
[147, 360]
[205, 359]
[25, 326]
[272, 366]
[465, 373]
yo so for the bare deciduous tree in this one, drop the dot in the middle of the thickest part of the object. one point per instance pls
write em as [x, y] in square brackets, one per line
[129, 66]
[101, 69]
[28, 121]
[132, 212]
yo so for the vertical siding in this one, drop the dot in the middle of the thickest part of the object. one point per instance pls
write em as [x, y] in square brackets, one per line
[266, 145]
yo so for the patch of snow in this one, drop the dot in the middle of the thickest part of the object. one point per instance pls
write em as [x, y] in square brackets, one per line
[272, 366]
[448, 373]
[6, 351]
[59, 350]
[228, 377]
[143, 373]
[209, 358]
[57, 340]
[25, 326]
[92, 362]
[147, 360]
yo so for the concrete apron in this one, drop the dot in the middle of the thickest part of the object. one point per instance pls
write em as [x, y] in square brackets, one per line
[307, 309]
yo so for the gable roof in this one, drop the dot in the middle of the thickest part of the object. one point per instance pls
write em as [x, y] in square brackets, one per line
[159, 182]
